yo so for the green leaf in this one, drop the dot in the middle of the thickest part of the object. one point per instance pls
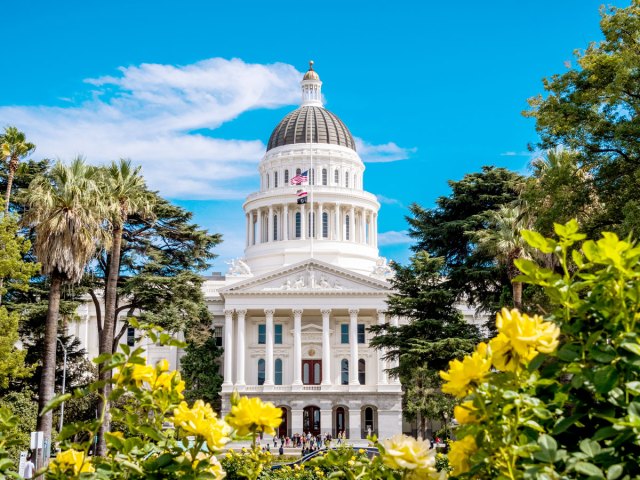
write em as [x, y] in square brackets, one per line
[569, 352]
[548, 448]
[590, 447]
[632, 347]
[589, 469]
[605, 378]
[633, 387]
[55, 402]
[614, 471]
[536, 240]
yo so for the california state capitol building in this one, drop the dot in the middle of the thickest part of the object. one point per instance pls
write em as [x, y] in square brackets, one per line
[293, 314]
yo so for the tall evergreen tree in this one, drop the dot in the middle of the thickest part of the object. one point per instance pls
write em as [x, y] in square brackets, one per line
[14, 146]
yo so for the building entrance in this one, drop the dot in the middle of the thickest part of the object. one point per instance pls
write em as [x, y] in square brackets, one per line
[311, 420]
[311, 372]
[283, 429]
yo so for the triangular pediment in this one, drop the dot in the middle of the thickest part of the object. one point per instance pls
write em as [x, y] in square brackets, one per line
[309, 277]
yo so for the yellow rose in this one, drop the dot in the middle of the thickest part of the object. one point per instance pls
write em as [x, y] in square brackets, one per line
[201, 420]
[520, 339]
[163, 365]
[164, 381]
[71, 462]
[465, 413]
[459, 454]
[142, 373]
[407, 453]
[463, 376]
[250, 415]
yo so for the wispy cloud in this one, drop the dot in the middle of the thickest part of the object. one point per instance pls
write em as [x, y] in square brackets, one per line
[387, 152]
[389, 201]
[393, 237]
[516, 154]
[148, 113]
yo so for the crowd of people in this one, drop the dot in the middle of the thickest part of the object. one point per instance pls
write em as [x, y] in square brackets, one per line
[306, 442]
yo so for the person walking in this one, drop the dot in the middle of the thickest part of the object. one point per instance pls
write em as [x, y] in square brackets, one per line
[29, 467]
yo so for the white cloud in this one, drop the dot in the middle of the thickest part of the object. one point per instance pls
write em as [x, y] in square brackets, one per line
[515, 154]
[388, 201]
[393, 237]
[387, 152]
[147, 113]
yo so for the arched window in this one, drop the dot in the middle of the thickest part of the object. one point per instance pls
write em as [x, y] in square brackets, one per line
[261, 371]
[275, 228]
[298, 226]
[267, 175]
[362, 372]
[344, 372]
[324, 176]
[312, 175]
[278, 371]
[346, 179]
[312, 225]
[325, 225]
[336, 177]
[298, 171]
[346, 224]
[286, 177]
[369, 422]
[275, 179]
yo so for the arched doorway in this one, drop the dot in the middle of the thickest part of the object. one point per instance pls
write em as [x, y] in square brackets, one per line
[283, 429]
[311, 420]
[369, 415]
[341, 421]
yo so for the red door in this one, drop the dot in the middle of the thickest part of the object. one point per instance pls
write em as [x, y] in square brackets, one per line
[311, 420]
[311, 372]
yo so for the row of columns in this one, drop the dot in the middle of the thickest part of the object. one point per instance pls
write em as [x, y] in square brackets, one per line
[276, 178]
[367, 223]
[240, 345]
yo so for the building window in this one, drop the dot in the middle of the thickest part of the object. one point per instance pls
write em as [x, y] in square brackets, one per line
[312, 176]
[267, 180]
[361, 334]
[324, 176]
[131, 336]
[325, 225]
[298, 227]
[344, 333]
[217, 333]
[286, 177]
[298, 171]
[346, 229]
[362, 372]
[355, 180]
[275, 228]
[346, 179]
[278, 334]
[262, 334]
[336, 177]
[344, 372]
[278, 371]
[312, 225]
[261, 371]
[275, 179]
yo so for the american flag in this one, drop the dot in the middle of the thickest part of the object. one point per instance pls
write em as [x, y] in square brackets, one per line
[301, 178]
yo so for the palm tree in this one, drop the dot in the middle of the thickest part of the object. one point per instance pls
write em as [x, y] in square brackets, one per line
[14, 146]
[503, 240]
[65, 210]
[126, 194]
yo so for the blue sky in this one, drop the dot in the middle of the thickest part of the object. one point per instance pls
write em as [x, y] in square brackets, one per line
[192, 89]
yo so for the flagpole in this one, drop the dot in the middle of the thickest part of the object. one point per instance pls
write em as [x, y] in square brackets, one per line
[312, 176]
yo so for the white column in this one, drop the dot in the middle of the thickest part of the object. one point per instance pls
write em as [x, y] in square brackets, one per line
[382, 364]
[268, 378]
[363, 225]
[319, 222]
[352, 224]
[270, 225]
[370, 234]
[252, 234]
[285, 223]
[303, 223]
[259, 232]
[326, 348]
[374, 237]
[240, 344]
[336, 227]
[248, 238]
[228, 348]
[353, 346]
[297, 347]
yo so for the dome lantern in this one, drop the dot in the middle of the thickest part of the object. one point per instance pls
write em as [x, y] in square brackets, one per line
[311, 88]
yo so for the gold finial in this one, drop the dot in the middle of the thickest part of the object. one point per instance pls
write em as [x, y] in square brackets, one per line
[310, 65]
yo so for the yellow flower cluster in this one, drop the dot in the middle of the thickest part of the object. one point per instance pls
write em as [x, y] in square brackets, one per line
[71, 462]
[463, 376]
[520, 339]
[465, 413]
[213, 465]
[408, 454]
[157, 378]
[201, 420]
[250, 415]
[460, 454]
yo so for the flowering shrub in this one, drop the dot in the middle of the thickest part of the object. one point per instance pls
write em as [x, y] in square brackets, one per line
[562, 399]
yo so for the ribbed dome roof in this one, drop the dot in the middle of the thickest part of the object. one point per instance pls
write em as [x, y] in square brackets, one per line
[311, 124]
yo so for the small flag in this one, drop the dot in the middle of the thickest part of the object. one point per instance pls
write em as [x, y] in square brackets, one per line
[301, 178]
[302, 197]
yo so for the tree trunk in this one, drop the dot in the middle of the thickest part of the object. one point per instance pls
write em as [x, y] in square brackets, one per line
[13, 166]
[48, 379]
[423, 426]
[106, 339]
[517, 294]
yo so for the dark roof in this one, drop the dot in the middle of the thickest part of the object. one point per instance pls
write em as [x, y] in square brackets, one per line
[310, 124]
